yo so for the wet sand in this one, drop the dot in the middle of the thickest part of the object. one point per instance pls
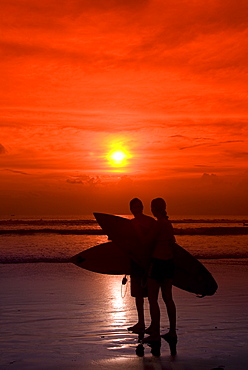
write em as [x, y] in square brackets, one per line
[58, 316]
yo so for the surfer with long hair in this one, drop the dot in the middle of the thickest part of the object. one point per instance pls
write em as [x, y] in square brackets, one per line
[160, 276]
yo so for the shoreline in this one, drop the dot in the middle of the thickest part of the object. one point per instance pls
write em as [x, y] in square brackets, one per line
[211, 231]
[58, 316]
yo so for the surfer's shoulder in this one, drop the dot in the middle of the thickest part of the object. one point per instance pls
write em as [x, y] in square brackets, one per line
[149, 218]
[149, 221]
[164, 224]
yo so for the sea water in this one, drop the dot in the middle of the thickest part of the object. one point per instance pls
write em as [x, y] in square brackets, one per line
[33, 240]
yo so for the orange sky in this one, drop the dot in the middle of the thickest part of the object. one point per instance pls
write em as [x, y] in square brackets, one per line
[165, 81]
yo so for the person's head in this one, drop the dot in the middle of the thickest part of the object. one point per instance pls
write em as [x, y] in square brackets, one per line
[158, 207]
[136, 206]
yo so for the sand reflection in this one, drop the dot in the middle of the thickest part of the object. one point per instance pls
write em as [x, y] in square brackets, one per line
[117, 303]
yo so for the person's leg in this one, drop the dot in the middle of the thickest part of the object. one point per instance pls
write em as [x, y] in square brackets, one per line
[138, 293]
[171, 336]
[166, 288]
[153, 290]
[140, 310]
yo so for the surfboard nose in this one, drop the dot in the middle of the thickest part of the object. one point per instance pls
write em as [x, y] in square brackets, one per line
[212, 289]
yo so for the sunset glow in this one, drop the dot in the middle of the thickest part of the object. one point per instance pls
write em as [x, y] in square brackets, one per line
[117, 158]
[102, 101]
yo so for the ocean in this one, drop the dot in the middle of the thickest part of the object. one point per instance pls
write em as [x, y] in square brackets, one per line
[57, 239]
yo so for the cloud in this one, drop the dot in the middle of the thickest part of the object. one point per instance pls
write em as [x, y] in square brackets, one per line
[178, 136]
[16, 171]
[231, 141]
[237, 154]
[210, 178]
[111, 34]
[2, 149]
[105, 182]
[125, 181]
[85, 180]
[192, 146]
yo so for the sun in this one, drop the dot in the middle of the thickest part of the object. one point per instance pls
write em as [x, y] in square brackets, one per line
[118, 158]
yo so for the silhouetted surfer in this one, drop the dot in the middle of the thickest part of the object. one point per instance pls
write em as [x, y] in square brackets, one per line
[143, 225]
[160, 276]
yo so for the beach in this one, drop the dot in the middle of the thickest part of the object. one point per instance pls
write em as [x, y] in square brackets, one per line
[58, 316]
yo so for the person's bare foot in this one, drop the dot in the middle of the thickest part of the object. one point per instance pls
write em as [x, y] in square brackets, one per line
[152, 338]
[137, 328]
[149, 330]
[171, 339]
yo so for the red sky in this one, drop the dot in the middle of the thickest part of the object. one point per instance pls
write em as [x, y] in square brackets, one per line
[166, 81]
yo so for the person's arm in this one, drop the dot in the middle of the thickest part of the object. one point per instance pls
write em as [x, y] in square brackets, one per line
[170, 231]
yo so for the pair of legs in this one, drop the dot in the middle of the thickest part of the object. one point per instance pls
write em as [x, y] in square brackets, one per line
[153, 291]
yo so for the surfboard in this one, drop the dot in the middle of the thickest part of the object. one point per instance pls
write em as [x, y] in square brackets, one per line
[104, 258]
[121, 231]
[190, 274]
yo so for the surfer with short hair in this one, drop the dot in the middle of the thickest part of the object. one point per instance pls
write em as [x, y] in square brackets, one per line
[160, 275]
[143, 224]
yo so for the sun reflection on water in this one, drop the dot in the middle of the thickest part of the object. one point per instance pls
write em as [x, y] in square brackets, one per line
[117, 304]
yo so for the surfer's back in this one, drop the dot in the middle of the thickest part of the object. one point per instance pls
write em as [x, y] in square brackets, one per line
[143, 223]
[164, 239]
